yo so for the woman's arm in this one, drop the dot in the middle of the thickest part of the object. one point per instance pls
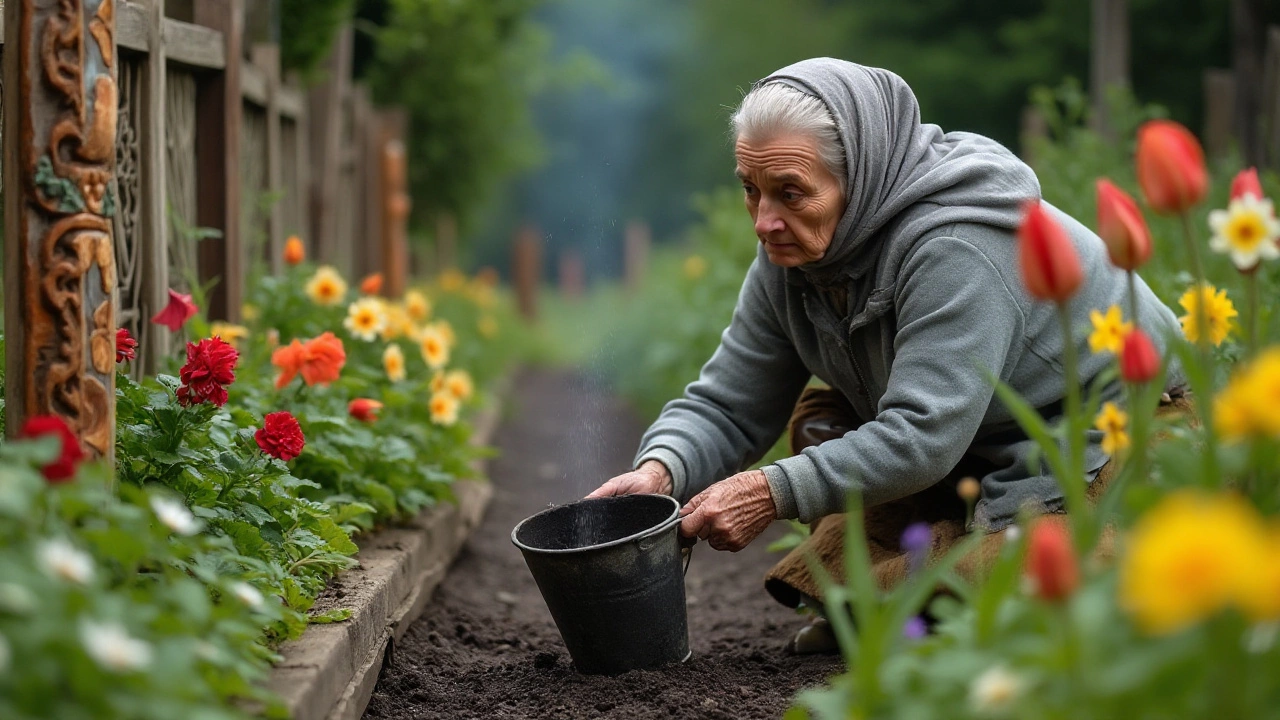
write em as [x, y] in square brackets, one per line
[731, 415]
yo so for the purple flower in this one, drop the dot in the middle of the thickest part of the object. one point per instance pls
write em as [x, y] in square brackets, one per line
[916, 540]
[915, 628]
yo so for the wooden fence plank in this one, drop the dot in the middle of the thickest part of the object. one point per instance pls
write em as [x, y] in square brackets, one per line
[197, 46]
[266, 59]
[133, 29]
[154, 223]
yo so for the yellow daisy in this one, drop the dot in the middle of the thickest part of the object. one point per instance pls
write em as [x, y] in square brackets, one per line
[366, 318]
[230, 334]
[435, 347]
[1249, 406]
[326, 287]
[398, 322]
[1247, 230]
[695, 266]
[458, 382]
[393, 362]
[417, 306]
[1113, 422]
[444, 409]
[446, 330]
[1109, 330]
[1219, 312]
[250, 312]
[437, 382]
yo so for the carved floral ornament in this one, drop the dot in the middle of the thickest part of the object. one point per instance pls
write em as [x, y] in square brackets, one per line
[69, 135]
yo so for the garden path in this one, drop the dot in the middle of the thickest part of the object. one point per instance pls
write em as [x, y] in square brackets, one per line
[486, 646]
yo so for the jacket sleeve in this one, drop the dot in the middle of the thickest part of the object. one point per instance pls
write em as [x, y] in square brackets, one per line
[956, 321]
[732, 414]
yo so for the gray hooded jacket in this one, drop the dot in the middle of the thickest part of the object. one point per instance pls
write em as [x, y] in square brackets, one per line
[926, 254]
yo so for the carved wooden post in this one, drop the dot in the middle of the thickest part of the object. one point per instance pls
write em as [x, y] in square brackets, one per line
[219, 115]
[59, 146]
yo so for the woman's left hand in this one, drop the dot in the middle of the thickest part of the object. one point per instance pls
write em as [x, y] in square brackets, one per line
[730, 513]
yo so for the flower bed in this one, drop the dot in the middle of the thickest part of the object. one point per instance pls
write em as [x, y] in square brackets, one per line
[240, 481]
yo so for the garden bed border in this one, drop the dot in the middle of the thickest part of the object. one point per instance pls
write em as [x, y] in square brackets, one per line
[330, 671]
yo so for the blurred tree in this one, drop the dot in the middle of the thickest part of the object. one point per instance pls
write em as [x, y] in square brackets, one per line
[309, 31]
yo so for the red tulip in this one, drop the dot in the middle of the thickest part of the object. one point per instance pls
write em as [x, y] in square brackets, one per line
[63, 468]
[1139, 359]
[1051, 561]
[179, 310]
[1245, 183]
[1050, 267]
[1171, 168]
[1121, 227]
[364, 409]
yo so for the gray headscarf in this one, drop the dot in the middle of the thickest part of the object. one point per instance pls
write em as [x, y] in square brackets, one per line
[893, 162]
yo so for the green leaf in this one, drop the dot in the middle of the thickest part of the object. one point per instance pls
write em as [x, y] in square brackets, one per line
[331, 616]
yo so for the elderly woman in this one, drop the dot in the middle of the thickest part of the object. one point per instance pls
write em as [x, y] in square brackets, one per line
[888, 270]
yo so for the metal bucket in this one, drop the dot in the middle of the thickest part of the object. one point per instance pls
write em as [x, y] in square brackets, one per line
[610, 571]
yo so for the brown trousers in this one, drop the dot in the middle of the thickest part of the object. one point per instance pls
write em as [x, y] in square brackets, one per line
[823, 414]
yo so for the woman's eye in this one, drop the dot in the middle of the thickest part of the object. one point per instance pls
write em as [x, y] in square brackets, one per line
[749, 190]
[790, 196]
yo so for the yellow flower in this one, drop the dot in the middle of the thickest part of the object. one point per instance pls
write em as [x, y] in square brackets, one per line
[447, 331]
[1261, 598]
[437, 382]
[1113, 422]
[230, 334]
[393, 362]
[488, 326]
[398, 322]
[250, 312]
[1250, 403]
[458, 382]
[1247, 230]
[1188, 557]
[444, 408]
[1108, 330]
[452, 280]
[435, 347]
[326, 287]
[1218, 312]
[417, 306]
[695, 266]
[366, 318]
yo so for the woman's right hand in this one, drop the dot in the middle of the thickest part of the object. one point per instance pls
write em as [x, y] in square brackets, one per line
[651, 477]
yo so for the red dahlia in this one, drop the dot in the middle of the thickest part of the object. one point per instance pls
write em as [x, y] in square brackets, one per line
[126, 346]
[280, 436]
[64, 467]
[209, 370]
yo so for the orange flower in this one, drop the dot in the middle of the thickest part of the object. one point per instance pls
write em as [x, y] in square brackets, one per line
[1121, 227]
[319, 360]
[1050, 267]
[371, 284]
[1171, 169]
[294, 252]
[1051, 561]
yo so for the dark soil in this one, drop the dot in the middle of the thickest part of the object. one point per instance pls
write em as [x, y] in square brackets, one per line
[486, 647]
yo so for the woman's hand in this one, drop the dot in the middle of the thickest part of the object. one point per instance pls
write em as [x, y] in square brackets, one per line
[651, 477]
[730, 513]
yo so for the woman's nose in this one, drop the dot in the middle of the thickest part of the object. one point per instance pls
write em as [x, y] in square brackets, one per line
[767, 219]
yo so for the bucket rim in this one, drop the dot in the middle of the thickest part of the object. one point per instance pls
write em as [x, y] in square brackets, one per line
[671, 520]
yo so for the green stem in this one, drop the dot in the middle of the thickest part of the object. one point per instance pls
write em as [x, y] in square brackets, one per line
[1251, 331]
[1073, 484]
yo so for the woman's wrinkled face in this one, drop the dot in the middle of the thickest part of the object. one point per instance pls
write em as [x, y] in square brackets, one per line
[793, 198]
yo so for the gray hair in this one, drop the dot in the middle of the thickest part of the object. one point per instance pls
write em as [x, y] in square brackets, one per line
[776, 108]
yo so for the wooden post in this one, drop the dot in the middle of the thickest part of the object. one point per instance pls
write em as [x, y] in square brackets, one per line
[1271, 99]
[1248, 41]
[153, 220]
[267, 57]
[326, 148]
[395, 206]
[635, 254]
[1109, 61]
[1219, 107]
[526, 271]
[61, 104]
[219, 114]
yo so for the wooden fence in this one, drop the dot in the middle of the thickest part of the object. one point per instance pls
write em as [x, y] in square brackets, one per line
[210, 136]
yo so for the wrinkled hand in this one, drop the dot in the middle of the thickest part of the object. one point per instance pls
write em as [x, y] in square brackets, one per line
[651, 477]
[730, 513]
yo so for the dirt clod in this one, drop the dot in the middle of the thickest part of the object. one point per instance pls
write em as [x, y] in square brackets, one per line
[451, 663]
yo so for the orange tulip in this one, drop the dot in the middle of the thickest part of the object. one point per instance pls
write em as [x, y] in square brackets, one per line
[1122, 227]
[364, 409]
[1050, 267]
[1245, 183]
[372, 284]
[1051, 561]
[1139, 359]
[294, 252]
[1171, 169]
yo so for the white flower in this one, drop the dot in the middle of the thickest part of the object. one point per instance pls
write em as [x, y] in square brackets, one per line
[175, 515]
[112, 647]
[17, 599]
[5, 655]
[366, 318]
[63, 561]
[995, 691]
[248, 594]
[1247, 230]
[1012, 534]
